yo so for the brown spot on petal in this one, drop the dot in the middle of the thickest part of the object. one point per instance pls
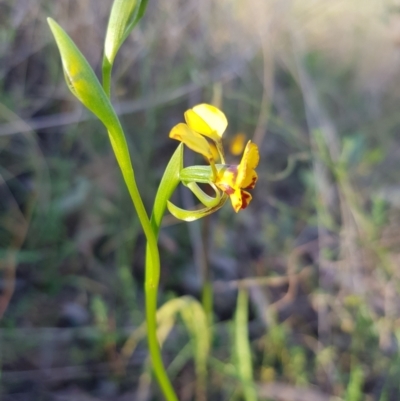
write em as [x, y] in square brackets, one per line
[253, 183]
[246, 198]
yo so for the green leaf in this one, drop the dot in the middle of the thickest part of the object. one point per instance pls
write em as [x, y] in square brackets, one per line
[194, 319]
[169, 182]
[86, 87]
[242, 346]
[81, 79]
[84, 84]
[354, 390]
[196, 322]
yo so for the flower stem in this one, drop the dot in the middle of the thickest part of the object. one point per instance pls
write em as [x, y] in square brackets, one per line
[167, 186]
[106, 75]
[151, 229]
[154, 348]
[151, 281]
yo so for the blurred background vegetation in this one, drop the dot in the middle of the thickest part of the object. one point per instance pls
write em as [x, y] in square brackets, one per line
[316, 84]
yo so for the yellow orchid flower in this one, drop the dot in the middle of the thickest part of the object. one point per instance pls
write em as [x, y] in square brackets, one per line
[234, 180]
[206, 120]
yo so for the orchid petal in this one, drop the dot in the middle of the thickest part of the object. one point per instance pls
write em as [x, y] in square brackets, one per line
[192, 140]
[247, 177]
[205, 199]
[207, 120]
[192, 215]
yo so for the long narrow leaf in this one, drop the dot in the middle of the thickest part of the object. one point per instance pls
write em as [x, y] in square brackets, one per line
[168, 184]
[196, 322]
[242, 347]
[81, 79]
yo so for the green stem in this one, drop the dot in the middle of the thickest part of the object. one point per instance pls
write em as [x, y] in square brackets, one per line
[152, 278]
[106, 72]
[151, 281]
[151, 288]
[154, 348]
[207, 290]
[150, 229]
[167, 186]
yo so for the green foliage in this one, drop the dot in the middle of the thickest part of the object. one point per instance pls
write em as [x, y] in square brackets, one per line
[242, 350]
[83, 83]
[354, 389]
